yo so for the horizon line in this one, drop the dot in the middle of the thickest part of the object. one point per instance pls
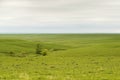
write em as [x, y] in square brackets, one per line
[59, 33]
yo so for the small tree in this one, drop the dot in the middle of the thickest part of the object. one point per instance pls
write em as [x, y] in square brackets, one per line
[38, 49]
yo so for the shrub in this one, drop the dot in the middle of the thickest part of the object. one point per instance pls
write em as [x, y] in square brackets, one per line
[12, 53]
[44, 52]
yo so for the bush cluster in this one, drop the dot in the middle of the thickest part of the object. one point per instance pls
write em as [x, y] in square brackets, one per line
[40, 50]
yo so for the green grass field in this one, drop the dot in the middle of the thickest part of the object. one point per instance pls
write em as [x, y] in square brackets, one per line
[69, 57]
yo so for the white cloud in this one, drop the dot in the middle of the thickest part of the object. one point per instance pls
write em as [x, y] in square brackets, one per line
[60, 13]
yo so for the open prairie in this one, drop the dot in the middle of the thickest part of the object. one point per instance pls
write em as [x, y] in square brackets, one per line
[68, 57]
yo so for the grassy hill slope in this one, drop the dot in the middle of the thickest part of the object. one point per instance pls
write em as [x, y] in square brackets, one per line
[70, 57]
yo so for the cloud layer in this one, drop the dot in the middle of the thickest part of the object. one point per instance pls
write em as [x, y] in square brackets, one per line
[46, 16]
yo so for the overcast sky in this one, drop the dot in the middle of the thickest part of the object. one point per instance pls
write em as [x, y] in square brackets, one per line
[59, 16]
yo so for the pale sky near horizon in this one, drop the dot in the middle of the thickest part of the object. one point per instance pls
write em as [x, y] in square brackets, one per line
[59, 16]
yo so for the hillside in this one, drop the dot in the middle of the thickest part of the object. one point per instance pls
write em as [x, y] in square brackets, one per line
[69, 57]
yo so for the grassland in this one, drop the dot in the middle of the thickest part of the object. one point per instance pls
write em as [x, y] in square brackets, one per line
[69, 57]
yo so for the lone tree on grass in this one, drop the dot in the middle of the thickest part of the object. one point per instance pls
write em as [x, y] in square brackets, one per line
[39, 49]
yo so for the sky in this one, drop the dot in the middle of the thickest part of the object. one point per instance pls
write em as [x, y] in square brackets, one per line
[59, 16]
